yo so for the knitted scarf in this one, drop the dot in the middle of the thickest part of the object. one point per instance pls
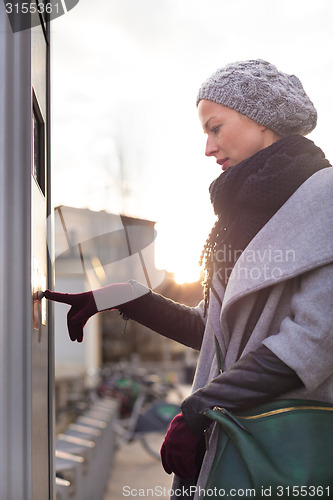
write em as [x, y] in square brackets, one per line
[247, 195]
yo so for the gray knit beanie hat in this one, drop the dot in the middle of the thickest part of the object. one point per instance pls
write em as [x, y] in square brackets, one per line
[259, 91]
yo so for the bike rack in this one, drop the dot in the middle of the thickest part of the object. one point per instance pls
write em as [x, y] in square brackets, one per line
[85, 453]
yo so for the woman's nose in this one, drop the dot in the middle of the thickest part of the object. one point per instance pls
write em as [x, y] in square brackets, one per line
[211, 147]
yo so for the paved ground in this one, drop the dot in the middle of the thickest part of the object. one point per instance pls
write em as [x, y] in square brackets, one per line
[134, 473]
[137, 474]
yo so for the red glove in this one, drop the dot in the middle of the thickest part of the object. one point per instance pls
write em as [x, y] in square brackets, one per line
[86, 304]
[180, 449]
[83, 307]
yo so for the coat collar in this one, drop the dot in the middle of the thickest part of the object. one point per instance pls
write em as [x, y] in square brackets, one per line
[298, 238]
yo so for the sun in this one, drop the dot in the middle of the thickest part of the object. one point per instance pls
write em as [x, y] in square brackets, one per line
[183, 268]
[187, 273]
[179, 243]
[181, 259]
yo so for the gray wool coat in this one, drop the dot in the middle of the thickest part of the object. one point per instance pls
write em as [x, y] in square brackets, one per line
[292, 254]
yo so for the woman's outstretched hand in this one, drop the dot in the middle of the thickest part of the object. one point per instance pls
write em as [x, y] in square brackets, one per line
[83, 306]
[86, 304]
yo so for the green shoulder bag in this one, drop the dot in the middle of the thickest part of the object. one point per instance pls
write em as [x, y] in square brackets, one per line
[280, 450]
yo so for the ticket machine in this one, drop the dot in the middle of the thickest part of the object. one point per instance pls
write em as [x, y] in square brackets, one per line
[26, 337]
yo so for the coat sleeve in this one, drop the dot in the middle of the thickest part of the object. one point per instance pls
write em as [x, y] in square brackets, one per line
[172, 320]
[305, 339]
[256, 378]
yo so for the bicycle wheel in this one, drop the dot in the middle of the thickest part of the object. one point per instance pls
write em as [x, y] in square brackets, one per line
[152, 442]
[153, 425]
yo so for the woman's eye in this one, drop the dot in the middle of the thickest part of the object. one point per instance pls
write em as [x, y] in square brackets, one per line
[216, 129]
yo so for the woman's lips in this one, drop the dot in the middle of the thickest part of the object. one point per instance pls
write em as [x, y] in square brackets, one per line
[223, 162]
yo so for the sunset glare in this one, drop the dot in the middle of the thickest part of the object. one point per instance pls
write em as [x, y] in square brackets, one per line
[126, 136]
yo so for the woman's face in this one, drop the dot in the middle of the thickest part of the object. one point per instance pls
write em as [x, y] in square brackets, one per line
[231, 136]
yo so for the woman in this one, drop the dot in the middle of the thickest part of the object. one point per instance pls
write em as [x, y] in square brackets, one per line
[267, 312]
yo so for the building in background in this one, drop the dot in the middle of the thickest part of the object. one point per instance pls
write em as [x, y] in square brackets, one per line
[94, 249]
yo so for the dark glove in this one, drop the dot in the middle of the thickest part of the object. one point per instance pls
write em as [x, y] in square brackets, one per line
[258, 377]
[86, 304]
[181, 449]
[83, 307]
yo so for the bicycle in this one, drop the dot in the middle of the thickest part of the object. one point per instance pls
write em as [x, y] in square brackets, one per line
[145, 400]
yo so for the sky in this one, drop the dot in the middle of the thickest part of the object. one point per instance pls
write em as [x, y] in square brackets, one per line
[125, 74]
